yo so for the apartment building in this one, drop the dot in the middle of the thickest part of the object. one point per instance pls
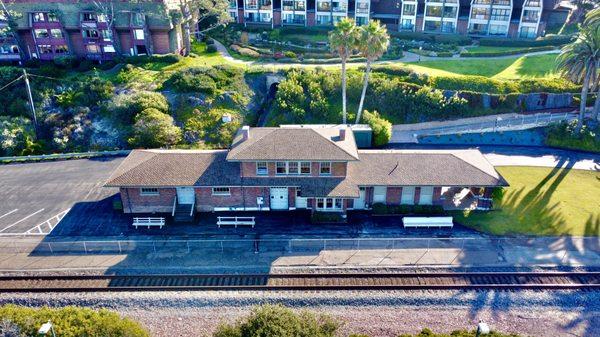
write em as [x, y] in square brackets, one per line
[313, 167]
[50, 29]
[506, 18]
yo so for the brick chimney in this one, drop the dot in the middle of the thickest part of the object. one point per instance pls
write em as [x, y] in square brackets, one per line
[245, 132]
[343, 133]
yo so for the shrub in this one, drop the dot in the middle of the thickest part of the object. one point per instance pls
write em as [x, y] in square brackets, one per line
[153, 129]
[507, 42]
[290, 54]
[383, 209]
[327, 217]
[71, 321]
[382, 129]
[473, 83]
[143, 59]
[244, 51]
[204, 79]
[564, 135]
[124, 107]
[457, 333]
[208, 127]
[66, 62]
[552, 85]
[17, 136]
[211, 48]
[276, 320]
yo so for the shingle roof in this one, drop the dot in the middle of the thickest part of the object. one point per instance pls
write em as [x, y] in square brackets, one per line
[292, 143]
[423, 168]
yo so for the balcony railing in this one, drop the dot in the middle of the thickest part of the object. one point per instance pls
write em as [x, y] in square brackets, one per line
[294, 21]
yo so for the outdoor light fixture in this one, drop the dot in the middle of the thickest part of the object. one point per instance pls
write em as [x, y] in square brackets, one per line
[45, 328]
[482, 328]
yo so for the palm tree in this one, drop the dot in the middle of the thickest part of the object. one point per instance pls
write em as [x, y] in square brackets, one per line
[342, 40]
[373, 41]
[592, 21]
[578, 61]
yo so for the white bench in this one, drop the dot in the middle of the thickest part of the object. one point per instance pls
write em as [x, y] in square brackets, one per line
[235, 221]
[417, 222]
[148, 222]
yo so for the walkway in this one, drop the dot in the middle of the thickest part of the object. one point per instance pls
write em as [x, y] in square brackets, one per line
[244, 256]
[409, 133]
[408, 57]
[543, 157]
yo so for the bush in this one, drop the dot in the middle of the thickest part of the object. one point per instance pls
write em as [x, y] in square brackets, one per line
[507, 52]
[473, 83]
[71, 322]
[564, 135]
[154, 129]
[555, 40]
[66, 62]
[244, 51]
[276, 320]
[457, 333]
[123, 108]
[382, 129]
[290, 54]
[208, 127]
[383, 209]
[204, 79]
[143, 59]
[17, 136]
[211, 48]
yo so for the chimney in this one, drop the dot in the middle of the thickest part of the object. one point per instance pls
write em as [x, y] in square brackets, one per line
[245, 132]
[343, 133]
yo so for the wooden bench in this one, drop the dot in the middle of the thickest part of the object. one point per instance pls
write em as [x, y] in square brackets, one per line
[427, 222]
[148, 222]
[235, 221]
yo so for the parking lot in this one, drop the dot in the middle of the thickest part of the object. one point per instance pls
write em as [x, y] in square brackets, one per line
[34, 196]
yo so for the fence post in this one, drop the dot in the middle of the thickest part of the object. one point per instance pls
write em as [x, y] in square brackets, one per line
[84, 247]
[50, 247]
[187, 243]
[119, 243]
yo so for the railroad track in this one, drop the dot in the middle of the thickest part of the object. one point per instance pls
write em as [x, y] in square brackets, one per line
[356, 281]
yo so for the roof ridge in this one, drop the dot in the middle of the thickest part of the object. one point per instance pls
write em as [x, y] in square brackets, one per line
[336, 145]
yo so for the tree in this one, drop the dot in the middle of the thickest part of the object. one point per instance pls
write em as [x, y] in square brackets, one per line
[342, 40]
[107, 9]
[206, 14]
[382, 128]
[373, 42]
[592, 22]
[578, 62]
[153, 129]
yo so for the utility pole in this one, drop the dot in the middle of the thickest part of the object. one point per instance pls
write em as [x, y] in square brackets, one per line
[31, 105]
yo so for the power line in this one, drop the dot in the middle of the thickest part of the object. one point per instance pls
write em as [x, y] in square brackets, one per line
[11, 82]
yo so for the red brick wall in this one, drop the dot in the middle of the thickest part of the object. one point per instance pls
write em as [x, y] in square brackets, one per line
[419, 24]
[437, 194]
[338, 169]
[133, 202]
[417, 195]
[393, 195]
[160, 42]
[291, 197]
[76, 40]
[513, 29]
[205, 201]
[462, 26]
[310, 19]
[27, 39]
[277, 18]
[126, 41]
[240, 15]
[248, 169]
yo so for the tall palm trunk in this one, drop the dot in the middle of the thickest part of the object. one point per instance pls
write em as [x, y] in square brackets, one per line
[364, 91]
[584, 93]
[344, 112]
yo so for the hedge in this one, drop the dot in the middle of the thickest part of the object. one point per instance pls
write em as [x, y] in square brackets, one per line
[563, 135]
[69, 322]
[508, 52]
[488, 85]
[439, 38]
[382, 209]
[555, 40]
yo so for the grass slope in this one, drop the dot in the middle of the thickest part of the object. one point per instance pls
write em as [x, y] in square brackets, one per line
[543, 201]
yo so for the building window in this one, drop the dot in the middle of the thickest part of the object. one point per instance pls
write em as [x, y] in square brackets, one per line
[45, 49]
[56, 33]
[107, 34]
[61, 49]
[262, 168]
[325, 168]
[148, 191]
[527, 32]
[280, 167]
[293, 167]
[329, 204]
[138, 34]
[38, 17]
[221, 191]
[137, 19]
[92, 49]
[109, 49]
[52, 17]
[304, 167]
[91, 33]
[409, 9]
[89, 17]
[41, 33]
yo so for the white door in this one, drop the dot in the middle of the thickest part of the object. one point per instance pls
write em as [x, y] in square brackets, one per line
[360, 202]
[426, 196]
[408, 195]
[279, 198]
[379, 194]
[185, 195]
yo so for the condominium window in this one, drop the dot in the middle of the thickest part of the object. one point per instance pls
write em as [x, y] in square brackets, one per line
[89, 17]
[61, 49]
[482, 2]
[52, 17]
[232, 4]
[329, 204]
[45, 49]
[293, 167]
[251, 4]
[498, 29]
[41, 33]
[148, 191]
[432, 25]
[478, 28]
[137, 19]
[221, 191]
[323, 19]
[323, 6]
[107, 34]
[304, 167]
[532, 3]
[325, 168]
[261, 168]
[434, 11]
[500, 14]
[38, 17]
[448, 27]
[409, 9]
[90, 33]
[450, 11]
[56, 33]
[480, 13]
[92, 49]
[138, 34]
[407, 24]
[109, 48]
[530, 16]
[527, 32]
[502, 2]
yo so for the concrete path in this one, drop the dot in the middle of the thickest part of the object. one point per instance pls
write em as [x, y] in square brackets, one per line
[409, 133]
[483, 252]
[408, 57]
[542, 157]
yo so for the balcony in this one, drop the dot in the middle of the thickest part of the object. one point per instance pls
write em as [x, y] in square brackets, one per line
[295, 21]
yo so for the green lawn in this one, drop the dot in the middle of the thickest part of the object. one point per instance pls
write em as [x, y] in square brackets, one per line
[543, 201]
[505, 68]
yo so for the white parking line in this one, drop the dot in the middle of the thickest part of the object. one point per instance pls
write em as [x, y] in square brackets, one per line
[25, 218]
[11, 212]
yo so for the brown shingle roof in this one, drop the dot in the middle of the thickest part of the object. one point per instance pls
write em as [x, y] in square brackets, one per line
[294, 144]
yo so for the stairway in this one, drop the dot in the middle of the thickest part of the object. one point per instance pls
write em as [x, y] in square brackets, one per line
[182, 213]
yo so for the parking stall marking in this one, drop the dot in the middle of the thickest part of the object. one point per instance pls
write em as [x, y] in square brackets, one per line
[19, 221]
[9, 213]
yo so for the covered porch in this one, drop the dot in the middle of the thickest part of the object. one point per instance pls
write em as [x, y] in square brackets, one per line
[466, 198]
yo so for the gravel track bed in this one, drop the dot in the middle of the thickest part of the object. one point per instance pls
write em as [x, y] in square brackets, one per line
[377, 313]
